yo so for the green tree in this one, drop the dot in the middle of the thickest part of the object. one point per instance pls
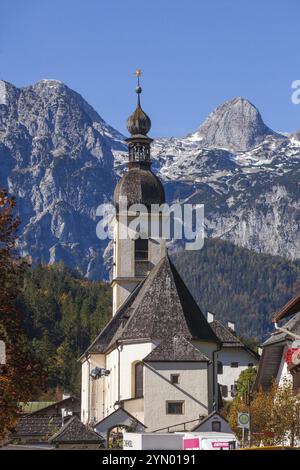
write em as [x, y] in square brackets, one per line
[21, 376]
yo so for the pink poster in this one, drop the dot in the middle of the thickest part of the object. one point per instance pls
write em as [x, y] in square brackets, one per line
[192, 443]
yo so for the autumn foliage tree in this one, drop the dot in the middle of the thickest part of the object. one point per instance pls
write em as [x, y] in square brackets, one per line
[21, 376]
[275, 415]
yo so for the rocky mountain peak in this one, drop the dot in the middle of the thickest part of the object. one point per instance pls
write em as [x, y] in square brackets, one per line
[57, 157]
[235, 125]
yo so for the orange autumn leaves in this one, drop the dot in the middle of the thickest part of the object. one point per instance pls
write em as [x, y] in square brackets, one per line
[21, 376]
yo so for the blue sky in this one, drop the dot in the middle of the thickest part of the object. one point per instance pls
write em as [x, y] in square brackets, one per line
[194, 55]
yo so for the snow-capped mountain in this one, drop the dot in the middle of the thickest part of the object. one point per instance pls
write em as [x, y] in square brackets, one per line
[246, 175]
[61, 160]
[56, 157]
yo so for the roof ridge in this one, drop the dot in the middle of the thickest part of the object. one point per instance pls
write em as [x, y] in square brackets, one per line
[68, 424]
[183, 353]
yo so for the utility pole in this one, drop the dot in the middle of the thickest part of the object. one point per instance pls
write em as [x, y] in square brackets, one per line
[249, 410]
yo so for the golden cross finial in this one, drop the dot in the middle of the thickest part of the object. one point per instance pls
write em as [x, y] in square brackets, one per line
[138, 73]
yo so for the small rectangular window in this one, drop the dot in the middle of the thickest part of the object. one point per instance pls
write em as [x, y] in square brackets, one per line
[234, 364]
[216, 426]
[174, 378]
[250, 364]
[224, 391]
[220, 368]
[174, 407]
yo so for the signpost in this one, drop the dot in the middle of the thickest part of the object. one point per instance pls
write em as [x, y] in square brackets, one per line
[243, 420]
[244, 423]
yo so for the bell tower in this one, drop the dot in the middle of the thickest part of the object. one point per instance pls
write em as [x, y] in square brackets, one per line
[134, 258]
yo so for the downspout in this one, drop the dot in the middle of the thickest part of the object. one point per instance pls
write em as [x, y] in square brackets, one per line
[88, 391]
[283, 330]
[119, 348]
[215, 376]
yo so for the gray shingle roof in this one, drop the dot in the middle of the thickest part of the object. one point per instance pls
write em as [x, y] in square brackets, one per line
[272, 353]
[140, 186]
[164, 307]
[159, 308]
[36, 425]
[290, 308]
[75, 431]
[177, 348]
[293, 325]
[225, 335]
[111, 330]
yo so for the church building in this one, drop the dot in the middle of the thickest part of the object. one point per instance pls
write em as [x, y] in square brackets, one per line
[155, 362]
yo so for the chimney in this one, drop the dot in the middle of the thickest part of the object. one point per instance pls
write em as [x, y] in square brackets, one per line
[231, 325]
[210, 317]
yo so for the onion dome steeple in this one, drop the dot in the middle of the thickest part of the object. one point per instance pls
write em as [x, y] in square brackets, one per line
[138, 125]
[139, 184]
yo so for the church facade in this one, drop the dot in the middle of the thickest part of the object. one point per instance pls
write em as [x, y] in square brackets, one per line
[156, 360]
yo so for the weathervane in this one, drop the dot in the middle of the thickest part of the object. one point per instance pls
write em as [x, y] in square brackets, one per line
[138, 73]
[138, 89]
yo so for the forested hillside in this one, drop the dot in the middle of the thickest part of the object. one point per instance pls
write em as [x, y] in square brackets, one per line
[238, 284]
[64, 312]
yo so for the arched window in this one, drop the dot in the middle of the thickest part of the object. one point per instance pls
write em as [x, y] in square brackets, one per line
[138, 380]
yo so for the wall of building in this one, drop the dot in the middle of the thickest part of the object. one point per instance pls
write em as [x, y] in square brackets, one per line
[230, 374]
[284, 374]
[124, 278]
[207, 425]
[208, 348]
[129, 355]
[192, 389]
[92, 391]
[135, 407]
[84, 391]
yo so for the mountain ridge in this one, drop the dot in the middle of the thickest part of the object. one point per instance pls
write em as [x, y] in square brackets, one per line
[61, 160]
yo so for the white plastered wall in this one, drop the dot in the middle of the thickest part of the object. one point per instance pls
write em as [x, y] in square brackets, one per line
[192, 390]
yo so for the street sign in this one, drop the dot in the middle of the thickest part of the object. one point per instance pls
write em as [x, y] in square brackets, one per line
[243, 420]
[265, 434]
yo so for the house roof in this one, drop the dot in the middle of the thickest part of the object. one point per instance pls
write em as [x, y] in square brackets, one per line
[225, 334]
[279, 336]
[119, 411]
[75, 431]
[273, 349]
[33, 406]
[229, 339]
[290, 308]
[213, 413]
[160, 307]
[36, 425]
[177, 348]
[110, 331]
[69, 401]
